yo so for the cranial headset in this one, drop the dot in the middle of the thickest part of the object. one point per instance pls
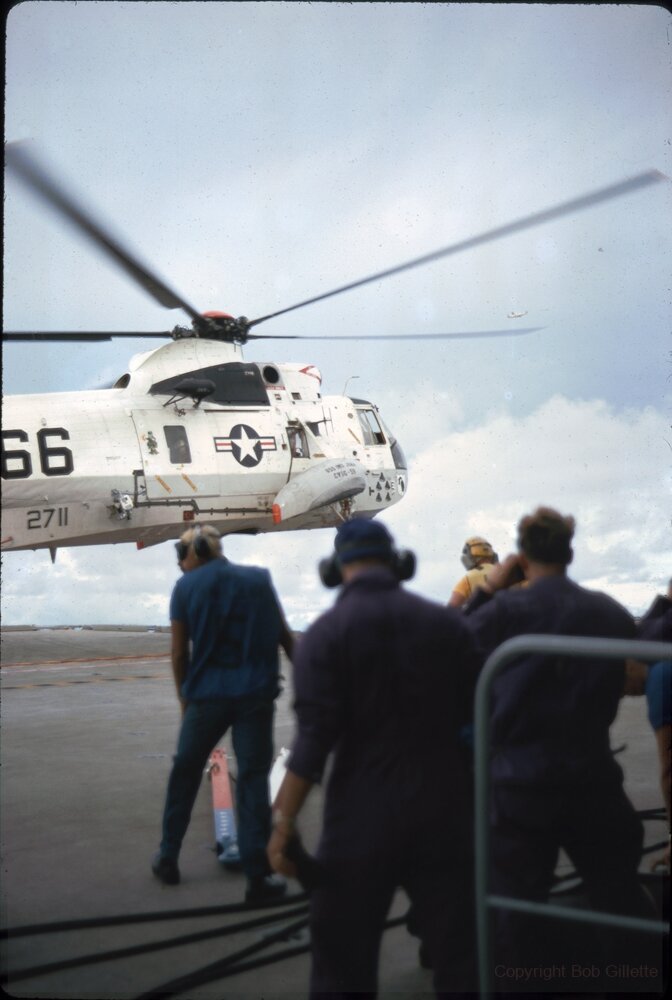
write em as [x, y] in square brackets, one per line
[199, 543]
[401, 561]
[475, 550]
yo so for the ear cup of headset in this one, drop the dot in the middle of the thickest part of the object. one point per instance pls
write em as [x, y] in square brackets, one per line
[330, 571]
[201, 547]
[404, 564]
[466, 558]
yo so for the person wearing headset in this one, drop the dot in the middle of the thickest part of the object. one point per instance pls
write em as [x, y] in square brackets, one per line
[385, 680]
[226, 625]
[555, 783]
[478, 558]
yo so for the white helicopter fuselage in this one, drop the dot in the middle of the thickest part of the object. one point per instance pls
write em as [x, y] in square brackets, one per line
[192, 432]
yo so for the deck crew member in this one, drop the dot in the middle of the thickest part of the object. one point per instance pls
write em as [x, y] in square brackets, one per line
[232, 618]
[384, 679]
[555, 783]
[656, 626]
[478, 557]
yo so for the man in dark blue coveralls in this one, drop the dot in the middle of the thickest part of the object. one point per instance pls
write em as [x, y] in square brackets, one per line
[385, 680]
[232, 618]
[555, 783]
[656, 626]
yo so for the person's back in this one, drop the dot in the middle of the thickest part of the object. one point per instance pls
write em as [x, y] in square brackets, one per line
[235, 626]
[471, 581]
[403, 671]
[550, 716]
[478, 558]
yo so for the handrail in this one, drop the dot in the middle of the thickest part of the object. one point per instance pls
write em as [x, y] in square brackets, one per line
[556, 645]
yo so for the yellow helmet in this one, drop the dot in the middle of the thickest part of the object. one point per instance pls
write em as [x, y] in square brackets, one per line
[477, 550]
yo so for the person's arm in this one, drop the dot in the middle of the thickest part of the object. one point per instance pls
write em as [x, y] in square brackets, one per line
[179, 655]
[663, 739]
[319, 715]
[635, 678]
[658, 698]
[287, 805]
[286, 640]
[504, 575]
[461, 593]
[286, 636]
[484, 615]
[664, 742]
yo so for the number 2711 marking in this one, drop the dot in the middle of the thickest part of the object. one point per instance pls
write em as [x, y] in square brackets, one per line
[43, 518]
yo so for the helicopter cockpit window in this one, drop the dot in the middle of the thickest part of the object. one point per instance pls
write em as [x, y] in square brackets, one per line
[178, 445]
[373, 433]
[236, 384]
[397, 452]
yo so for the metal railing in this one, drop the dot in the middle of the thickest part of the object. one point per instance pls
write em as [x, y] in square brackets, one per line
[550, 645]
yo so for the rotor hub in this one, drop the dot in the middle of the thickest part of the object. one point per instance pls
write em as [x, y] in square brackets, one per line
[215, 326]
[222, 326]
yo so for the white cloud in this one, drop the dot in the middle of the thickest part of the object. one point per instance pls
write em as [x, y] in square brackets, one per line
[609, 469]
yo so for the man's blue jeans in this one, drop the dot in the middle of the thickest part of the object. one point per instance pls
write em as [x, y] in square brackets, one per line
[203, 726]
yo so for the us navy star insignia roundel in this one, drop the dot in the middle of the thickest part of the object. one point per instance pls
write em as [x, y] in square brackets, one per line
[245, 444]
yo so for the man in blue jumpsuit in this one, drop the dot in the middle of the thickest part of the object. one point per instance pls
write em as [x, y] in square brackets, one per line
[231, 617]
[656, 626]
[555, 783]
[385, 680]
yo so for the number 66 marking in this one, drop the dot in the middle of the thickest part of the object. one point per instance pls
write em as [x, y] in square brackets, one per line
[54, 461]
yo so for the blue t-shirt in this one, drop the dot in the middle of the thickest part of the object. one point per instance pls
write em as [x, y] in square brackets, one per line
[659, 694]
[234, 623]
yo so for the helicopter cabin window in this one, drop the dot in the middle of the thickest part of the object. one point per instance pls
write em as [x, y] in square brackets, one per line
[298, 444]
[373, 433]
[178, 445]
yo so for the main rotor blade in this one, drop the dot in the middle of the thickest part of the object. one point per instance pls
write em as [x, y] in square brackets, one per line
[110, 335]
[35, 177]
[460, 335]
[81, 337]
[527, 222]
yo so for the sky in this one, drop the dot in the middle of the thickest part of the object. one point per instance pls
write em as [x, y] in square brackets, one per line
[256, 154]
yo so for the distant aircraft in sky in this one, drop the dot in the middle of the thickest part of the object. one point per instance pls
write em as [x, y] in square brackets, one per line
[515, 315]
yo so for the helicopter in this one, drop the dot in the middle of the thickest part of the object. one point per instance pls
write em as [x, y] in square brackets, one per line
[192, 430]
